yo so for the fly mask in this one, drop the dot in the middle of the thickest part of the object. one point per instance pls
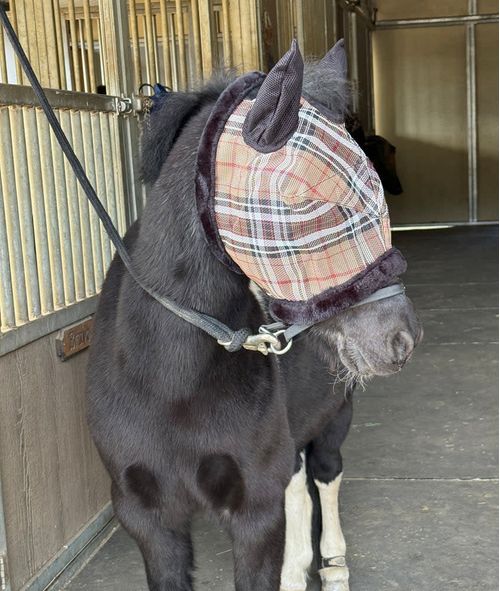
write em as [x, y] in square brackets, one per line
[288, 198]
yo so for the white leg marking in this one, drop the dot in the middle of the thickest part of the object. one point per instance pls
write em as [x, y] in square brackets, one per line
[332, 544]
[298, 545]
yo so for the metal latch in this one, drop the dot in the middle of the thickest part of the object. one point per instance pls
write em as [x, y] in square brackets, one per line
[130, 105]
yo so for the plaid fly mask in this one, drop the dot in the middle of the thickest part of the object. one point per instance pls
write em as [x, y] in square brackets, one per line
[288, 198]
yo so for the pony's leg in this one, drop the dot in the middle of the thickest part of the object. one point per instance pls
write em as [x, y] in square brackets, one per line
[167, 552]
[325, 462]
[258, 535]
[298, 542]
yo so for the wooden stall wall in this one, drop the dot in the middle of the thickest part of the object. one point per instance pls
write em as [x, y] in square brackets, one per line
[52, 478]
[420, 107]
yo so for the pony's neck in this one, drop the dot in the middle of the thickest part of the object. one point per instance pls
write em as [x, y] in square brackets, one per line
[175, 260]
[173, 253]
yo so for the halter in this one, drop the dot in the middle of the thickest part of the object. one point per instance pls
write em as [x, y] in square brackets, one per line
[267, 340]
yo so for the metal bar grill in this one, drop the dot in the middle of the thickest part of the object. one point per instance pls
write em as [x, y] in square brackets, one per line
[236, 33]
[89, 41]
[56, 11]
[165, 41]
[12, 265]
[52, 48]
[3, 59]
[38, 211]
[206, 37]
[30, 48]
[173, 41]
[63, 219]
[53, 251]
[100, 187]
[149, 43]
[136, 55]
[73, 213]
[226, 33]
[94, 224]
[75, 52]
[195, 32]
[179, 22]
[177, 42]
[48, 193]
[13, 19]
[25, 220]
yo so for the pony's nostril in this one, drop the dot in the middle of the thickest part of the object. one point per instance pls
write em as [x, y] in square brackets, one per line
[402, 346]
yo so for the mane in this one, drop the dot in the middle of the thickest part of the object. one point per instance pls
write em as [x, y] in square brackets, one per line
[171, 112]
[329, 87]
[169, 115]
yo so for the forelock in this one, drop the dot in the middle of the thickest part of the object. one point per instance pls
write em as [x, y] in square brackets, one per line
[329, 87]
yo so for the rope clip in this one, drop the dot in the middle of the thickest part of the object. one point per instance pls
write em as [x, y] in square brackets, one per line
[267, 342]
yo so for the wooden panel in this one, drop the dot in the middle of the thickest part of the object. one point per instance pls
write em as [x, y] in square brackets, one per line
[285, 25]
[364, 82]
[206, 38]
[395, 9]
[53, 481]
[487, 120]
[248, 15]
[420, 100]
[487, 6]
[270, 28]
[315, 29]
[280, 22]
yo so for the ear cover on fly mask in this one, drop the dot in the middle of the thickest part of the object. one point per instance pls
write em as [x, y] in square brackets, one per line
[288, 198]
[336, 60]
[274, 117]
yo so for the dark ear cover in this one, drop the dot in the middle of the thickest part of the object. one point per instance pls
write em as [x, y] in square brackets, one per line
[274, 116]
[336, 59]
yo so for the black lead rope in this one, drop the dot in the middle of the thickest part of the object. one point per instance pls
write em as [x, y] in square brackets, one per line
[230, 339]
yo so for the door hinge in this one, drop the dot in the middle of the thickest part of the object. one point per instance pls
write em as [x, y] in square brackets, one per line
[4, 575]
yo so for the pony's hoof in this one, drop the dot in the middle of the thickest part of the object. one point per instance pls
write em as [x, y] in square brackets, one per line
[334, 578]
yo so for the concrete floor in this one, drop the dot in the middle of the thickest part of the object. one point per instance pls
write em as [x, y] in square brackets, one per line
[421, 469]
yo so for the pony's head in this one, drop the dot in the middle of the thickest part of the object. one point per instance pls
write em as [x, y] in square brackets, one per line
[288, 198]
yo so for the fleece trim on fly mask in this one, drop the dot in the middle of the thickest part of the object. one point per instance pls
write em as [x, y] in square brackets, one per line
[304, 215]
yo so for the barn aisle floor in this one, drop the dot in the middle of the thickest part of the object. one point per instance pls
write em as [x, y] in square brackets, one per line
[421, 471]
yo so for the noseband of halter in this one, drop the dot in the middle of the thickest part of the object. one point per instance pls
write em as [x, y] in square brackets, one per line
[268, 339]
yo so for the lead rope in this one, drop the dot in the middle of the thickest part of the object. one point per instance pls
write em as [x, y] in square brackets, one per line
[230, 339]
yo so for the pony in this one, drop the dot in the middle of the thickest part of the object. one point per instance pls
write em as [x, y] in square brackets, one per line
[183, 425]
